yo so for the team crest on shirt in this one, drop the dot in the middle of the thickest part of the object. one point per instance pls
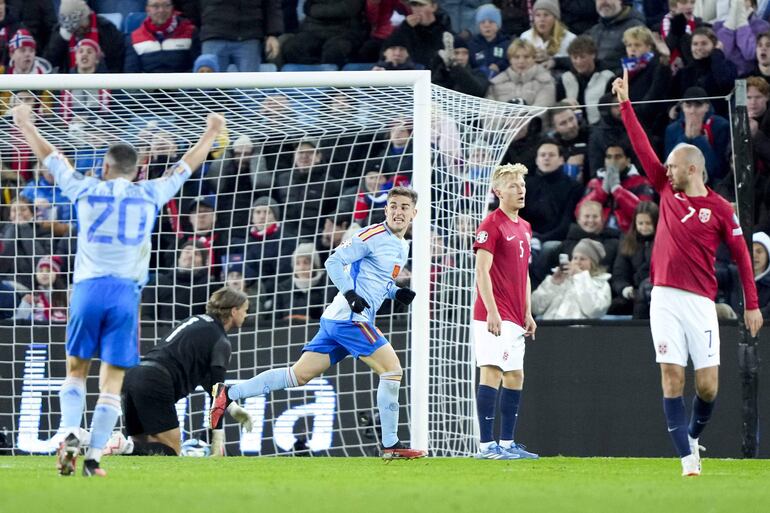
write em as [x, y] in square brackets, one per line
[704, 215]
[346, 243]
[662, 348]
[396, 271]
[482, 237]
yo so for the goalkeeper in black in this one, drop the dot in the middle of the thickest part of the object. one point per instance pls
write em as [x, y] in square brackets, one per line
[196, 352]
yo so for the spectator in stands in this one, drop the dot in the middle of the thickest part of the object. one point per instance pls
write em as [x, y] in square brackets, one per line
[182, 291]
[206, 63]
[8, 27]
[266, 247]
[579, 15]
[335, 228]
[238, 32]
[608, 132]
[164, 42]
[76, 22]
[301, 297]
[378, 14]
[424, 30]
[454, 71]
[709, 69]
[631, 271]
[614, 19]
[676, 29]
[38, 16]
[618, 188]
[578, 290]
[738, 34]
[698, 125]
[51, 206]
[462, 13]
[331, 33]
[549, 35]
[583, 83]
[761, 259]
[395, 55]
[762, 66]
[590, 224]
[373, 194]
[202, 219]
[20, 242]
[24, 60]
[78, 104]
[523, 79]
[757, 96]
[48, 301]
[649, 75]
[523, 148]
[572, 135]
[489, 46]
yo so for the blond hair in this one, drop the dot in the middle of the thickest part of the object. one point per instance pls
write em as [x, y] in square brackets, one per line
[521, 44]
[641, 34]
[507, 172]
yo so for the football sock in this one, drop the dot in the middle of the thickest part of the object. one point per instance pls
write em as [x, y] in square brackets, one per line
[72, 400]
[152, 449]
[105, 416]
[387, 404]
[701, 414]
[486, 397]
[509, 413]
[677, 424]
[263, 383]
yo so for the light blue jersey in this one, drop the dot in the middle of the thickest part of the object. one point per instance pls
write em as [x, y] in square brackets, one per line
[368, 263]
[115, 218]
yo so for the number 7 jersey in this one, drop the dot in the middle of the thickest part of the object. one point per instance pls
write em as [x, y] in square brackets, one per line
[115, 218]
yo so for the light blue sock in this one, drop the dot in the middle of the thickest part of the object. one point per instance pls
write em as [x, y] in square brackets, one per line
[387, 403]
[264, 383]
[103, 422]
[72, 395]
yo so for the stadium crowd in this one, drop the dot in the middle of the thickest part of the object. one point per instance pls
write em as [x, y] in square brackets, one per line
[264, 216]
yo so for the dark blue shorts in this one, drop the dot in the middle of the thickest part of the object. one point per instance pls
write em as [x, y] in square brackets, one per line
[339, 339]
[104, 321]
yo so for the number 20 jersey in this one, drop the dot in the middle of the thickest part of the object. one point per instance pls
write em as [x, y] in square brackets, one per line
[115, 218]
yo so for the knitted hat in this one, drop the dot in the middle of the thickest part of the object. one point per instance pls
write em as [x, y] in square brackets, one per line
[267, 201]
[89, 43]
[206, 59]
[551, 6]
[764, 240]
[590, 248]
[21, 39]
[52, 262]
[396, 39]
[460, 42]
[72, 12]
[208, 201]
[488, 12]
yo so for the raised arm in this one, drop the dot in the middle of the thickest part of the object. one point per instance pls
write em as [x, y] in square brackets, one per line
[196, 155]
[22, 118]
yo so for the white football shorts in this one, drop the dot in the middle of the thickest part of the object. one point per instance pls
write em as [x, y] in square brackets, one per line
[682, 324]
[505, 351]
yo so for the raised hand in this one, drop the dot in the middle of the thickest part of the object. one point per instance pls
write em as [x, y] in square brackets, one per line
[620, 87]
[215, 122]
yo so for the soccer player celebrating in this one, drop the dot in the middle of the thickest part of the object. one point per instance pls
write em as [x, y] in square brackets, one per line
[502, 315]
[196, 352]
[694, 220]
[364, 269]
[115, 217]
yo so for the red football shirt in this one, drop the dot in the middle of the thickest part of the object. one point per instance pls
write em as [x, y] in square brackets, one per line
[510, 243]
[690, 229]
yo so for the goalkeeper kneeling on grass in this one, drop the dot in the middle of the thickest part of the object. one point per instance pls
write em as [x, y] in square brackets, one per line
[364, 269]
[196, 352]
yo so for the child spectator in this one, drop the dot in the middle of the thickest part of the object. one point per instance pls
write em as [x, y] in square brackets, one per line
[649, 74]
[583, 83]
[762, 66]
[488, 47]
[85, 103]
[523, 79]
[48, 301]
[549, 35]
[590, 225]
[395, 55]
[22, 49]
[676, 28]
[739, 32]
[206, 63]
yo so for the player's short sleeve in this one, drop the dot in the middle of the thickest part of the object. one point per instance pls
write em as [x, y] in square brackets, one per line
[164, 188]
[71, 183]
[486, 236]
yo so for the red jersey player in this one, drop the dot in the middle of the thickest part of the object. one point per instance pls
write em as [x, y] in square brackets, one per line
[694, 220]
[502, 315]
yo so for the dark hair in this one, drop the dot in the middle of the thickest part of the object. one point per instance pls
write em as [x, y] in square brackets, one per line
[562, 151]
[706, 31]
[403, 191]
[123, 158]
[197, 246]
[630, 242]
[222, 301]
[619, 144]
[582, 45]
[562, 106]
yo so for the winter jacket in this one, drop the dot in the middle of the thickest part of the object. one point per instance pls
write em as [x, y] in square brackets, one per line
[38, 16]
[379, 13]
[111, 40]
[8, 27]
[424, 42]
[650, 83]
[585, 90]
[531, 36]
[175, 53]
[176, 295]
[608, 131]
[20, 245]
[329, 18]
[580, 296]
[483, 53]
[535, 86]
[516, 15]
[634, 271]
[240, 20]
[715, 74]
[267, 254]
[293, 300]
[714, 142]
[740, 45]
[621, 203]
[608, 36]
[462, 79]
[551, 201]
[578, 15]
[306, 194]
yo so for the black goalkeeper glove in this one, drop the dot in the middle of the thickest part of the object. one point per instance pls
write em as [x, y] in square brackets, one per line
[405, 296]
[356, 302]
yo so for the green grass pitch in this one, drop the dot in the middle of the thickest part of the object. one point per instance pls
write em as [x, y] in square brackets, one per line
[310, 485]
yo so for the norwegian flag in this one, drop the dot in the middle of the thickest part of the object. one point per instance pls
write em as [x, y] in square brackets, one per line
[20, 39]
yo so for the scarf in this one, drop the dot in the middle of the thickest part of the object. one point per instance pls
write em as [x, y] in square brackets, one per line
[305, 284]
[264, 234]
[93, 35]
[161, 32]
[635, 65]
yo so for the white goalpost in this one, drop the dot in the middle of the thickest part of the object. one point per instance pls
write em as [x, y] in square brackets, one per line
[307, 158]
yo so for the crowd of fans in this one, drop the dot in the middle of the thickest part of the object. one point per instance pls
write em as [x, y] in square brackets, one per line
[264, 217]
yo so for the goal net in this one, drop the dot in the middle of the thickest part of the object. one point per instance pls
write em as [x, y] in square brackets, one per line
[307, 159]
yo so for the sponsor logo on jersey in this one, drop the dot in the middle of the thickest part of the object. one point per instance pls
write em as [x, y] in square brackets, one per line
[482, 237]
[704, 215]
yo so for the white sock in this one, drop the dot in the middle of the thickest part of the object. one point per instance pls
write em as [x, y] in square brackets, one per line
[486, 445]
[506, 444]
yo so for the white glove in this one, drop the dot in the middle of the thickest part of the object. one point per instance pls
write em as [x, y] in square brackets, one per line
[65, 34]
[217, 443]
[241, 416]
[628, 292]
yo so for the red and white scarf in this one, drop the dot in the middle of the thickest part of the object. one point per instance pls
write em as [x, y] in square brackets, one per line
[93, 34]
[161, 32]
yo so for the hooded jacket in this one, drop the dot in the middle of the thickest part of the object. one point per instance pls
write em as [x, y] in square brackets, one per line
[608, 35]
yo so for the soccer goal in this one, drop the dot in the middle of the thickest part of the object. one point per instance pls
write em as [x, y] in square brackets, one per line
[307, 159]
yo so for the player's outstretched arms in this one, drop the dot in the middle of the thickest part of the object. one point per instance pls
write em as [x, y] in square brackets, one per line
[196, 155]
[22, 118]
[753, 320]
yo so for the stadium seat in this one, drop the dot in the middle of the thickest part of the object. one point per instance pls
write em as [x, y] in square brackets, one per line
[115, 17]
[358, 66]
[124, 7]
[133, 20]
[309, 67]
[268, 68]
